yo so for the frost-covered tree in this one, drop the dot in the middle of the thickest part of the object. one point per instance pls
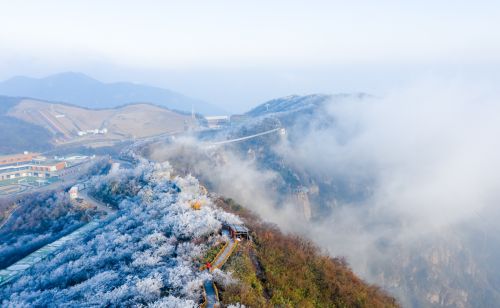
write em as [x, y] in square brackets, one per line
[145, 256]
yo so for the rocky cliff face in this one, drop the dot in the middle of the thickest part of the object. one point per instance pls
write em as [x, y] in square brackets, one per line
[439, 272]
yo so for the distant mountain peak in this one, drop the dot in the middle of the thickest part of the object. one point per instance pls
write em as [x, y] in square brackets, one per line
[71, 75]
[75, 76]
[80, 89]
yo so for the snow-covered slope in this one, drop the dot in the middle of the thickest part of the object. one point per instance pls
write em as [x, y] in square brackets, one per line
[288, 104]
[297, 103]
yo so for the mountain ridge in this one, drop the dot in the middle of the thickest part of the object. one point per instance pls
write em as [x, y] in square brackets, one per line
[85, 91]
[294, 103]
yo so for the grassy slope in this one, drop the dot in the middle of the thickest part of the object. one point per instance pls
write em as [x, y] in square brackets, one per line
[139, 120]
[17, 135]
[287, 271]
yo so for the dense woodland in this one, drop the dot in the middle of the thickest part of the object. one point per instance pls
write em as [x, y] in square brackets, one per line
[150, 251]
[39, 218]
[145, 254]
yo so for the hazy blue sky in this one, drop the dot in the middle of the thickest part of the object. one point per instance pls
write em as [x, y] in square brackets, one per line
[239, 53]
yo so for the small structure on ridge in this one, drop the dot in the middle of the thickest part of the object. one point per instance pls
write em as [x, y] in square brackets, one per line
[237, 231]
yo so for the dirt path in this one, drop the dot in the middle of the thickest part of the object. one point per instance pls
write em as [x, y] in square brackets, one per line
[89, 199]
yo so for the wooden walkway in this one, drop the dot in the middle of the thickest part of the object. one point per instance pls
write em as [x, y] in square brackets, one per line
[211, 293]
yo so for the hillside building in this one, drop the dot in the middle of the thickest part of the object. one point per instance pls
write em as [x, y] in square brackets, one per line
[93, 132]
[28, 165]
[237, 231]
[17, 158]
[73, 192]
[216, 122]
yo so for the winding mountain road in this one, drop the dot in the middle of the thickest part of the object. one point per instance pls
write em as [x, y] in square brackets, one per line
[9, 215]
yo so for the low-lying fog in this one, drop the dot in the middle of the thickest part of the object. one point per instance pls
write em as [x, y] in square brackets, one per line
[431, 154]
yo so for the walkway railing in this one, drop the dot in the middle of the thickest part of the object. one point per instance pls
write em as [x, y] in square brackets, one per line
[218, 263]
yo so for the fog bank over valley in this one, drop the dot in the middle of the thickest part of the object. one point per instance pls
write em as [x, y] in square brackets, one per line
[394, 183]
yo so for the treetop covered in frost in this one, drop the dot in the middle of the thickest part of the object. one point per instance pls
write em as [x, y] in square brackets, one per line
[145, 256]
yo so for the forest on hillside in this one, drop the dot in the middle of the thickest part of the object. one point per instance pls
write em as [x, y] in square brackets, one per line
[150, 254]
